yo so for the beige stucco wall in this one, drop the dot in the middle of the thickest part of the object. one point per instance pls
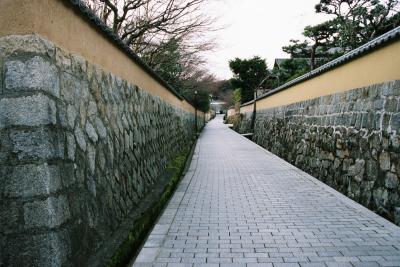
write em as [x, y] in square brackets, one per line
[59, 23]
[231, 112]
[378, 66]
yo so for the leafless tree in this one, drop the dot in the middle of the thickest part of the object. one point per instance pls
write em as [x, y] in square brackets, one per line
[169, 35]
[144, 24]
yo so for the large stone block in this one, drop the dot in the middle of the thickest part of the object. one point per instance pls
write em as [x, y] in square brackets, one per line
[11, 220]
[36, 144]
[30, 180]
[48, 249]
[31, 43]
[51, 249]
[50, 213]
[31, 75]
[27, 111]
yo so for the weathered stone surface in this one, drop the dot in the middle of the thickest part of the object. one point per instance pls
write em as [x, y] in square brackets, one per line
[396, 122]
[71, 116]
[36, 144]
[48, 249]
[10, 217]
[63, 60]
[91, 158]
[92, 109]
[372, 169]
[384, 161]
[69, 87]
[31, 43]
[397, 215]
[79, 64]
[50, 213]
[91, 185]
[101, 129]
[357, 170]
[381, 197]
[349, 140]
[71, 146]
[80, 138]
[75, 159]
[33, 74]
[91, 132]
[31, 180]
[391, 180]
[27, 111]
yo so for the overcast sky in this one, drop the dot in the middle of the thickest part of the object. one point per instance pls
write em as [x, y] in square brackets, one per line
[258, 27]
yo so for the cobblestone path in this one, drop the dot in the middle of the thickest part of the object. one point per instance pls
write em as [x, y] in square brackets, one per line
[239, 205]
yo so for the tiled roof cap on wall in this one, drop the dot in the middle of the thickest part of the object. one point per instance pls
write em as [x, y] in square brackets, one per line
[384, 39]
[87, 13]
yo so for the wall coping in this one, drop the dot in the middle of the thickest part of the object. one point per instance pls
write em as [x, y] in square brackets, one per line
[367, 48]
[90, 16]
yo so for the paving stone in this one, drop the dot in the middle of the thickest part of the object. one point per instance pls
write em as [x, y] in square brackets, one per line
[260, 265]
[389, 263]
[240, 205]
[180, 265]
[338, 264]
[147, 255]
[286, 265]
[313, 264]
[341, 139]
[233, 264]
[365, 264]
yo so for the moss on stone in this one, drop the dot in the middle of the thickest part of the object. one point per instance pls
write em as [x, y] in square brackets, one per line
[144, 224]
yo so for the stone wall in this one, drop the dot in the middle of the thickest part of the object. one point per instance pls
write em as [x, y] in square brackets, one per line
[79, 149]
[349, 140]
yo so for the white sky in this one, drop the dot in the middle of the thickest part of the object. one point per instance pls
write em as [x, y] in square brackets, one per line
[257, 28]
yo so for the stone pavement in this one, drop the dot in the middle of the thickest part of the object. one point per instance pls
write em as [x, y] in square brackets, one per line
[239, 205]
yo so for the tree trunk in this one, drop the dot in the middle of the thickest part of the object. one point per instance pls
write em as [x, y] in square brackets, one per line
[253, 116]
[312, 59]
